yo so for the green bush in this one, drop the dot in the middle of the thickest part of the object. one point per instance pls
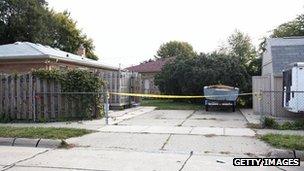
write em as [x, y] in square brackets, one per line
[188, 76]
[273, 124]
[78, 81]
[286, 126]
[5, 118]
[299, 124]
[270, 123]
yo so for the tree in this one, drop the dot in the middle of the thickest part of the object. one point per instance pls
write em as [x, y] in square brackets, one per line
[188, 76]
[32, 21]
[67, 37]
[240, 46]
[175, 48]
[291, 28]
[23, 21]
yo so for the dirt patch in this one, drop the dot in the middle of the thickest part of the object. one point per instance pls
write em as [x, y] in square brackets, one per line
[206, 119]
[225, 152]
[210, 135]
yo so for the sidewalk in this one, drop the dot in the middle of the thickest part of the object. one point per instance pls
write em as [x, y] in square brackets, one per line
[208, 131]
[250, 116]
[114, 117]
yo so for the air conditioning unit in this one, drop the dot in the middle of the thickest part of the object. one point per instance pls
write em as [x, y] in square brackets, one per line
[293, 87]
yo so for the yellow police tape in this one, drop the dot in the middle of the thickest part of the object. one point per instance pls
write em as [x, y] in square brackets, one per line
[176, 96]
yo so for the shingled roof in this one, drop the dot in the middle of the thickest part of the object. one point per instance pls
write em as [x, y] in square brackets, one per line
[151, 66]
[29, 51]
[280, 52]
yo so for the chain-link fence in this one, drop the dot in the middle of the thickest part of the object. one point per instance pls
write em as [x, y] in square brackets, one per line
[281, 103]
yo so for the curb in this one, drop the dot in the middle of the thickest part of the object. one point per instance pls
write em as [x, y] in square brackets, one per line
[27, 142]
[280, 153]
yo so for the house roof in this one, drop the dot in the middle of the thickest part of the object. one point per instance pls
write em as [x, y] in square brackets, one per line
[286, 41]
[280, 52]
[27, 50]
[151, 66]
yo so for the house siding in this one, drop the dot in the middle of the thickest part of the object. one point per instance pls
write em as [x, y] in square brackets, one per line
[21, 67]
[284, 55]
[153, 89]
[279, 53]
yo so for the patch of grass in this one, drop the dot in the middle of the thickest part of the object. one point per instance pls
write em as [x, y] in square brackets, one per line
[293, 142]
[273, 124]
[164, 104]
[270, 123]
[41, 132]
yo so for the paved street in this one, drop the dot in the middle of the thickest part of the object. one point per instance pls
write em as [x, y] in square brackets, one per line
[151, 140]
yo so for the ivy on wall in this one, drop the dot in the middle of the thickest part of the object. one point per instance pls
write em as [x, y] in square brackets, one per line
[77, 83]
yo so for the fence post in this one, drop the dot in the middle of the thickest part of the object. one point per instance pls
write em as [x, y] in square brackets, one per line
[34, 96]
[261, 94]
[106, 105]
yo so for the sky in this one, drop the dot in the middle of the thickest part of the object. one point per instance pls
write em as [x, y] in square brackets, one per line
[127, 32]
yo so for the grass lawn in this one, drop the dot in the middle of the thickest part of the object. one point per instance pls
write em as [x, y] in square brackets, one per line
[164, 104]
[41, 132]
[293, 142]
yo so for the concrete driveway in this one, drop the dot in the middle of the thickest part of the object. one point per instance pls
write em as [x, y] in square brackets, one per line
[155, 140]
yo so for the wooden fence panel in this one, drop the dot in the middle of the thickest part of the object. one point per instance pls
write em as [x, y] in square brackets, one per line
[38, 98]
[25, 97]
[52, 99]
[45, 100]
[6, 100]
[12, 96]
[1, 94]
[23, 115]
[30, 97]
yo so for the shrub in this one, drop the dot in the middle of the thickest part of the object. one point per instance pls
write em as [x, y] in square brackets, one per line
[188, 76]
[270, 123]
[273, 124]
[286, 125]
[78, 81]
[299, 124]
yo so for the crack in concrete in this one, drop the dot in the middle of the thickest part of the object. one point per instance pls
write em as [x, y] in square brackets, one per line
[7, 167]
[185, 162]
[181, 124]
[166, 142]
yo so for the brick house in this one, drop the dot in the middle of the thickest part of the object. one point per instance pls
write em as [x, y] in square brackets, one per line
[148, 70]
[22, 57]
[278, 54]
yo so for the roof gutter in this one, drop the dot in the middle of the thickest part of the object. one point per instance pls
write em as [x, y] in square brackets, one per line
[39, 57]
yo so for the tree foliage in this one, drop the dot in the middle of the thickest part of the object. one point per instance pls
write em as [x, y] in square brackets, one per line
[232, 65]
[188, 76]
[33, 21]
[240, 46]
[175, 49]
[292, 28]
[78, 81]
